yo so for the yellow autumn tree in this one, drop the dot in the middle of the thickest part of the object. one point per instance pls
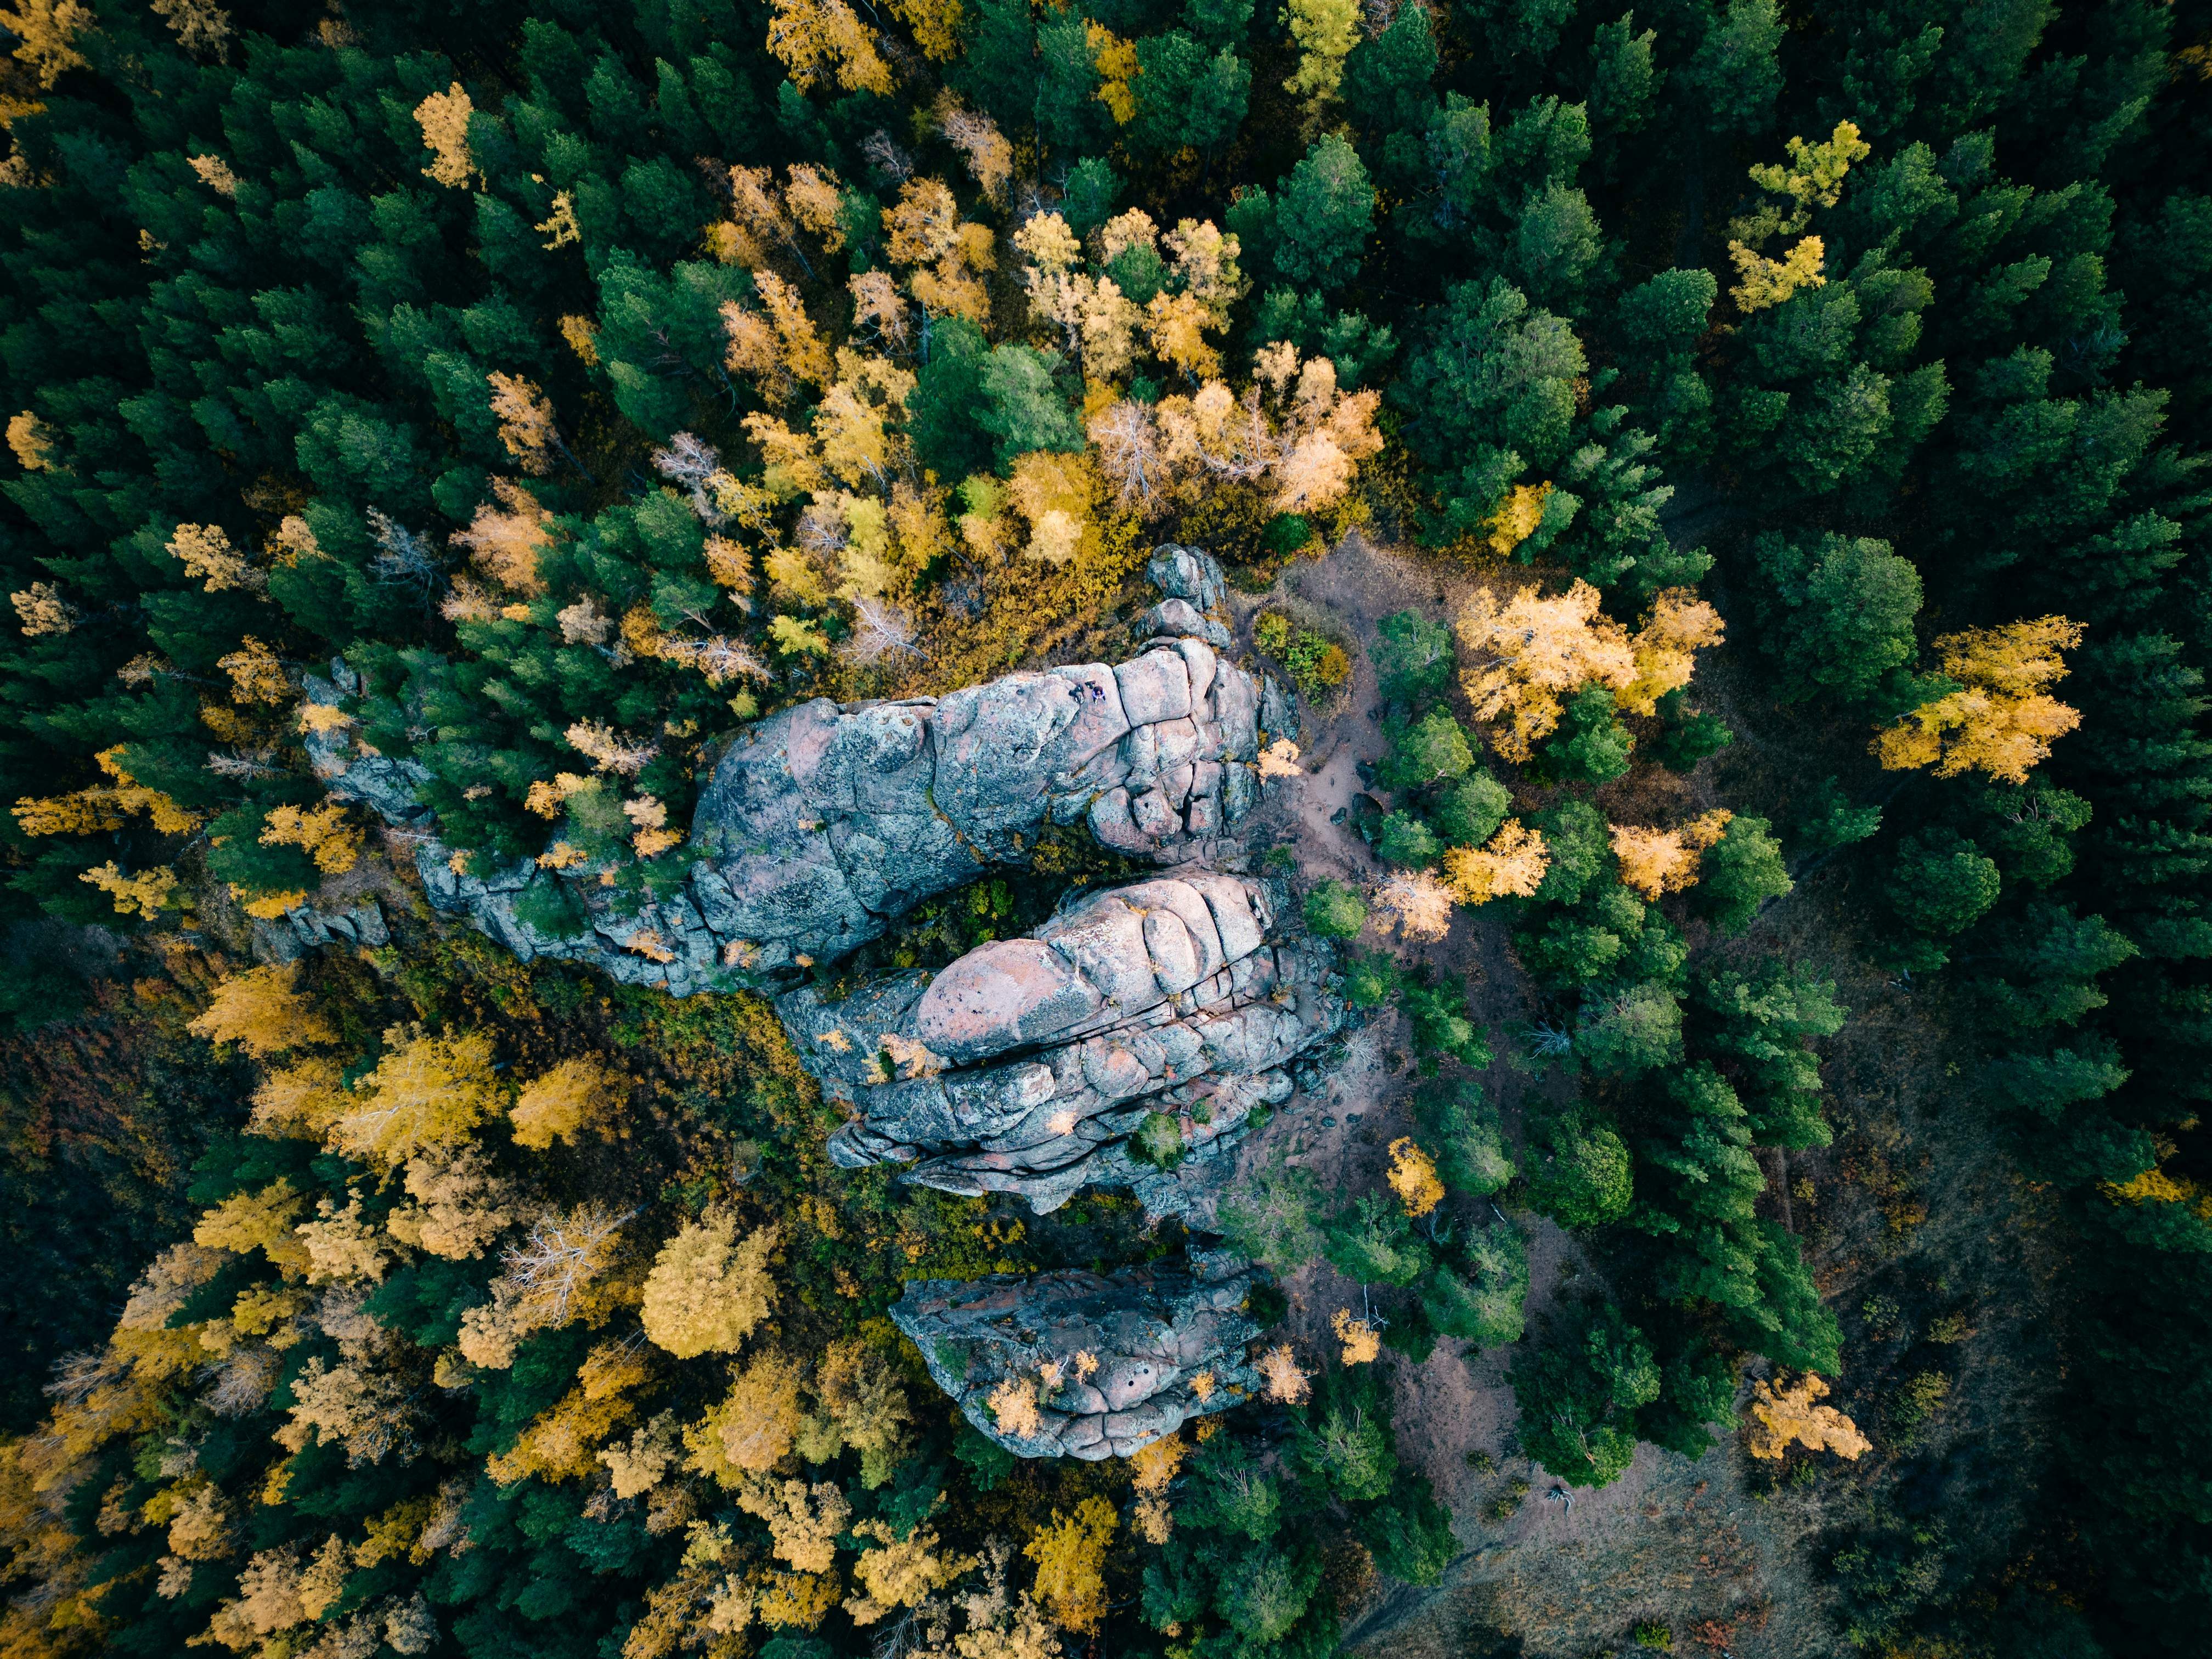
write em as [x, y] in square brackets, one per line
[899, 1571]
[262, 1011]
[1014, 1404]
[1510, 865]
[2002, 720]
[1655, 861]
[525, 414]
[990, 158]
[1152, 1471]
[574, 1096]
[302, 1100]
[427, 1092]
[1413, 1178]
[40, 610]
[1764, 283]
[707, 1289]
[1070, 1553]
[144, 895]
[322, 832]
[1326, 30]
[752, 1428]
[826, 38]
[562, 1443]
[1287, 1382]
[506, 537]
[561, 1272]
[803, 1521]
[459, 1205]
[32, 441]
[860, 1403]
[1665, 648]
[205, 551]
[44, 31]
[1813, 178]
[444, 119]
[1775, 1418]
[1361, 1340]
[257, 675]
[637, 1468]
[1531, 652]
[1417, 904]
[343, 1246]
[261, 1219]
[103, 807]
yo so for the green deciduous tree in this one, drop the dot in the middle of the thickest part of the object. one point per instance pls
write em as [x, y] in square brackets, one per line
[1460, 1131]
[1314, 232]
[1467, 810]
[1590, 745]
[1761, 1023]
[1434, 750]
[1740, 873]
[1335, 910]
[1578, 1172]
[1838, 619]
[1371, 1242]
[1579, 1389]
[1412, 656]
[1941, 883]
[1490, 392]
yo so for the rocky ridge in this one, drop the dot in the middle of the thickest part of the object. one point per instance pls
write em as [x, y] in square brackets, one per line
[1126, 1043]
[1104, 1363]
[822, 825]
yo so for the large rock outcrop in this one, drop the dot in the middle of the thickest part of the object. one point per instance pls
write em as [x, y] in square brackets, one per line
[823, 823]
[1127, 1043]
[1140, 1027]
[1109, 1363]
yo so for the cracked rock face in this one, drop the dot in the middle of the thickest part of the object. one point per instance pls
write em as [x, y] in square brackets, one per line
[1033, 1065]
[1111, 1363]
[822, 824]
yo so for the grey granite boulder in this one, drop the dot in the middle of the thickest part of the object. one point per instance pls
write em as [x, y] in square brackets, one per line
[1186, 574]
[1103, 1365]
[823, 823]
[1127, 1044]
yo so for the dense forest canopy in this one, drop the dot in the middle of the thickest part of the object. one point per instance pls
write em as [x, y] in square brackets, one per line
[1796, 413]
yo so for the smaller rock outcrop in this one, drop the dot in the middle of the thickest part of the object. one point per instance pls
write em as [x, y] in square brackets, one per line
[1127, 1043]
[1081, 1364]
[304, 927]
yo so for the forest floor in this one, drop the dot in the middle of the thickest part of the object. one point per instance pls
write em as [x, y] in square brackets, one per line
[1914, 1203]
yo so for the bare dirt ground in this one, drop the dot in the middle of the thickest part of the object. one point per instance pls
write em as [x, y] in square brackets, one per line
[1914, 1198]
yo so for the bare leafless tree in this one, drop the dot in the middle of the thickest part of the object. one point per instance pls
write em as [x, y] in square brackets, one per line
[403, 559]
[885, 156]
[880, 630]
[562, 1252]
